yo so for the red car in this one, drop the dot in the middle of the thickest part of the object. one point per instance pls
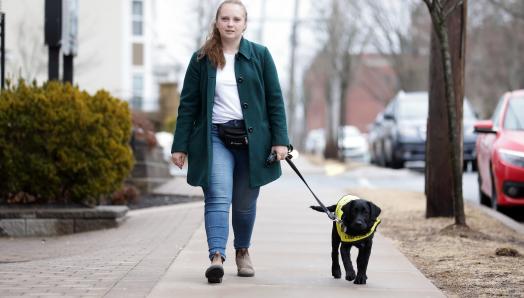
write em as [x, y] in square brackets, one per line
[500, 153]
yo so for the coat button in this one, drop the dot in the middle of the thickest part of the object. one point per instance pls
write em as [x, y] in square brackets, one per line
[240, 79]
[250, 130]
[245, 105]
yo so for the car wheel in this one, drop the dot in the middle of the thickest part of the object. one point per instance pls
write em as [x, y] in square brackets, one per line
[484, 199]
[397, 164]
[381, 159]
[388, 153]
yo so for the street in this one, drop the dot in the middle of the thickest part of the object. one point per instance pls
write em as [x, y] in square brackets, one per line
[410, 178]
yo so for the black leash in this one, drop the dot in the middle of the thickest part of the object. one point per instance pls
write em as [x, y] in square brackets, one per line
[292, 165]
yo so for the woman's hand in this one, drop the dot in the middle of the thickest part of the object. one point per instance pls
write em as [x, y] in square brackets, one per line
[178, 158]
[281, 152]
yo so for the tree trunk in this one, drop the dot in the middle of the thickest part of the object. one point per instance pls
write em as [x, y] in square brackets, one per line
[332, 116]
[444, 152]
[439, 201]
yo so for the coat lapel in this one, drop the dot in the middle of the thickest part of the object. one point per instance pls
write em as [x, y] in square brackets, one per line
[211, 83]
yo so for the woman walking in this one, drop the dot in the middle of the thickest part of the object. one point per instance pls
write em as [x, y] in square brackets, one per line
[231, 117]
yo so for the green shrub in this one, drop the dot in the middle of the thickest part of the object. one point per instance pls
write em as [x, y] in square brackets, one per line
[60, 144]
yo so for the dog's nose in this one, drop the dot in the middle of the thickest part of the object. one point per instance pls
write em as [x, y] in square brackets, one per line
[361, 224]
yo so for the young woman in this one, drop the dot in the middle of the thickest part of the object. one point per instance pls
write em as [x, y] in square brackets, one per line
[230, 84]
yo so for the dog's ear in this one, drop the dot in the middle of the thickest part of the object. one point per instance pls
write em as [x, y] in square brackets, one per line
[374, 211]
[347, 209]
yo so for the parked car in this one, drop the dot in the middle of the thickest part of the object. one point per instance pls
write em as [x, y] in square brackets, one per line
[315, 141]
[500, 153]
[352, 144]
[376, 155]
[402, 135]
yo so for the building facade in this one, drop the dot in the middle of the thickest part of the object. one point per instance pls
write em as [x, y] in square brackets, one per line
[373, 82]
[116, 47]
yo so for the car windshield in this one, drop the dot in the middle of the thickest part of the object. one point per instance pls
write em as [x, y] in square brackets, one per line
[514, 115]
[413, 108]
[468, 111]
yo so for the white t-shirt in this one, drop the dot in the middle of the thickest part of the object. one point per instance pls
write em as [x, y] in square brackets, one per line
[227, 102]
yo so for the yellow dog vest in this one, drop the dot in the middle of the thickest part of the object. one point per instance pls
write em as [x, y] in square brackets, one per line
[338, 213]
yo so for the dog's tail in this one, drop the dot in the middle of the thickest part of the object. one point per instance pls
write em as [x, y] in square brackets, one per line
[319, 209]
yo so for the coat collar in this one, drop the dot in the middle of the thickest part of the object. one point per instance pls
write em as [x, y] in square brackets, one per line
[245, 48]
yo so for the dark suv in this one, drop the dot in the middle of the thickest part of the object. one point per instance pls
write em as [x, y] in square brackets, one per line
[403, 130]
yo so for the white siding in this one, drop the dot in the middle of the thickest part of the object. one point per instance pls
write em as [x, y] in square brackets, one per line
[104, 46]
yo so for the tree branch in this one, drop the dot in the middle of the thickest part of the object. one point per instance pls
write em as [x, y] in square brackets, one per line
[451, 9]
[429, 4]
[506, 9]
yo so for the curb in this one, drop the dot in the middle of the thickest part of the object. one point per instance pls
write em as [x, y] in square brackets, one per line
[504, 219]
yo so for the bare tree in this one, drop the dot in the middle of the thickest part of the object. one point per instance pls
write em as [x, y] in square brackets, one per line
[403, 46]
[205, 15]
[447, 75]
[340, 33]
[513, 7]
[27, 60]
[497, 34]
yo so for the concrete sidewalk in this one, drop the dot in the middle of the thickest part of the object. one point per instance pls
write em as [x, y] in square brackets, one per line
[291, 253]
[162, 252]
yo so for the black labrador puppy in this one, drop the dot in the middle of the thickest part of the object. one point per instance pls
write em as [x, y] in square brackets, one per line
[356, 222]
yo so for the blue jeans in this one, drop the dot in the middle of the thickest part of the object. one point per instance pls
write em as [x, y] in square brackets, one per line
[229, 185]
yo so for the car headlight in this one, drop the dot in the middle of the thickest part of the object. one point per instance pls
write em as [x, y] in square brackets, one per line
[512, 157]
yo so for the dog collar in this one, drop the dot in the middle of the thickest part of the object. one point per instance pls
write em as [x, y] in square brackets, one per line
[341, 229]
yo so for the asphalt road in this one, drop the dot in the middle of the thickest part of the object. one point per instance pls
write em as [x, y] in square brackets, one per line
[411, 178]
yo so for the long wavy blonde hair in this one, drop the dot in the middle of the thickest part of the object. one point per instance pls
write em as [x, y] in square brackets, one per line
[212, 47]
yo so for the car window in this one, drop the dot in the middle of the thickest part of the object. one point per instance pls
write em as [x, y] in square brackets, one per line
[512, 120]
[468, 111]
[496, 114]
[390, 108]
[413, 109]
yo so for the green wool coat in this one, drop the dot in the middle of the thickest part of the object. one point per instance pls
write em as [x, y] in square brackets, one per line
[262, 106]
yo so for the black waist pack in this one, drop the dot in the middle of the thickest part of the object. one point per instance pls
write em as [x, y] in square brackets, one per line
[233, 137]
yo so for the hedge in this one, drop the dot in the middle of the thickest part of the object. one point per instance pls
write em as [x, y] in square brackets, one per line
[59, 144]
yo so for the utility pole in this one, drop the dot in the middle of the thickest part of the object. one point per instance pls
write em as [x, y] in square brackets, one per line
[53, 35]
[291, 100]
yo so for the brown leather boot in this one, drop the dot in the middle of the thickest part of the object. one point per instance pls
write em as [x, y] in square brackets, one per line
[215, 272]
[244, 265]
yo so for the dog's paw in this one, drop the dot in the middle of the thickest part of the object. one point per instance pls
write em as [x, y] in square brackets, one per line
[336, 272]
[360, 279]
[350, 275]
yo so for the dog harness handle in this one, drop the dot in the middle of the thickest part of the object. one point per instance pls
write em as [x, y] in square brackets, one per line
[292, 165]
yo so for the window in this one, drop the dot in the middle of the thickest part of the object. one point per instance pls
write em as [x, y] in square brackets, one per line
[514, 114]
[137, 17]
[138, 54]
[497, 113]
[138, 91]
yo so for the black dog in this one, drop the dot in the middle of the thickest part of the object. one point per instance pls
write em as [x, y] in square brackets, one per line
[355, 226]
